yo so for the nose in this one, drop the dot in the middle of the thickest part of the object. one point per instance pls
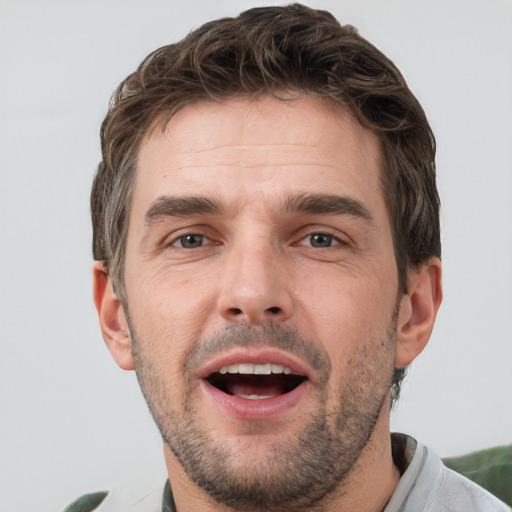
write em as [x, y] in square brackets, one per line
[254, 288]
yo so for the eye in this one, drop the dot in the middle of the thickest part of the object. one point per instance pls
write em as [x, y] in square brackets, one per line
[190, 241]
[320, 240]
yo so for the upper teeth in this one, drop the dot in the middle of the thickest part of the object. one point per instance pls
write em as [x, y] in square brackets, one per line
[255, 369]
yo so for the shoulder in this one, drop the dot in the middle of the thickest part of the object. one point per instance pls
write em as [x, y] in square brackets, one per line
[87, 502]
[428, 485]
[490, 468]
[158, 499]
[456, 493]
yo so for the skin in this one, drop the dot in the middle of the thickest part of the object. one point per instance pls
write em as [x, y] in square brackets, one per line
[257, 262]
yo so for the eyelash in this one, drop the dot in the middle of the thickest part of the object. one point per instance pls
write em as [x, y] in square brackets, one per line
[332, 238]
[188, 235]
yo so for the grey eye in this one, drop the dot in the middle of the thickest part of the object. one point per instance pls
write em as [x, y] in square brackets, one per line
[320, 240]
[191, 241]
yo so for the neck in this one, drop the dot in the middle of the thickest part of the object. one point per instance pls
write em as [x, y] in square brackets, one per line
[366, 488]
[373, 479]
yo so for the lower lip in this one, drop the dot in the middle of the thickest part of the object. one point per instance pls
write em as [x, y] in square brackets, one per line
[247, 409]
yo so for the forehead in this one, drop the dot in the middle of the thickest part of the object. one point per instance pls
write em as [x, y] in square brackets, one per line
[244, 147]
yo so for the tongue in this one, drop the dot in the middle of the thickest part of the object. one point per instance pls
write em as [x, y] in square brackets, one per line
[255, 386]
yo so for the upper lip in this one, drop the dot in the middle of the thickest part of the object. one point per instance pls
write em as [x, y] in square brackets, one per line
[255, 356]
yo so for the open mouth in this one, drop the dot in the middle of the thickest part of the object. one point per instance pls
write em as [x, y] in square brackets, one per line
[255, 381]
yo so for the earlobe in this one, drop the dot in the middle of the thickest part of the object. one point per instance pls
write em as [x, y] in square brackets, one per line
[418, 310]
[114, 326]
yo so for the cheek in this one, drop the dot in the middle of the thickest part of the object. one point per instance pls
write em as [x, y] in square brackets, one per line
[344, 310]
[168, 313]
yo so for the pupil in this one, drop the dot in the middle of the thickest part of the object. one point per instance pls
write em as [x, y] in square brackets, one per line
[320, 240]
[191, 241]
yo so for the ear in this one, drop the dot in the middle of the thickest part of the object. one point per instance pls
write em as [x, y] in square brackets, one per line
[418, 310]
[114, 326]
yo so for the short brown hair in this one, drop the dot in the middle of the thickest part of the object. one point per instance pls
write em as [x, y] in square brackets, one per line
[276, 51]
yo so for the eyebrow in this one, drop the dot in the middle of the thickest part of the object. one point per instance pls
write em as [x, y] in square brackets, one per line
[329, 204]
[169, 206]
[317, 204]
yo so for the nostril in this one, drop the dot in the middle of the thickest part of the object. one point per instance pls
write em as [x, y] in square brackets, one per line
[237, 312]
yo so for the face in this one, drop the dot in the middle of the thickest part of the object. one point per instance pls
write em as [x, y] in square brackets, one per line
[261, 291]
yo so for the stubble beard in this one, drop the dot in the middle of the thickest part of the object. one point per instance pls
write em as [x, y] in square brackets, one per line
[297, 473]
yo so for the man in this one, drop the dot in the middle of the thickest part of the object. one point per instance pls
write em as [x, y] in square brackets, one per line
[266, 237]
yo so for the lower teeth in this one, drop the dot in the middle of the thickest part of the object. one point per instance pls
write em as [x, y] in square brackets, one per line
[255, 397]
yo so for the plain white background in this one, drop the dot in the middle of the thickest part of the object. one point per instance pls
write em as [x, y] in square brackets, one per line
[71, 421]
